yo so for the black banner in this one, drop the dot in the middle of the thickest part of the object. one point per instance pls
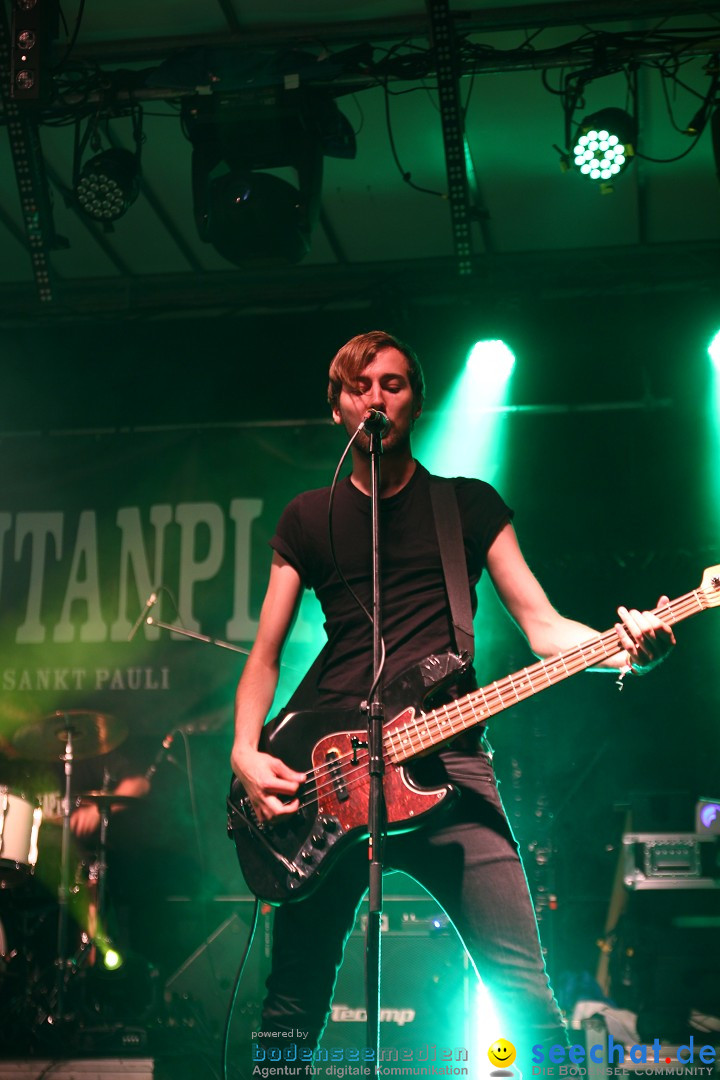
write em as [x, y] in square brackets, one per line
[92, 525]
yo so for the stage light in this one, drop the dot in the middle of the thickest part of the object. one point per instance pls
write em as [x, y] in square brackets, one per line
[465, 437]
[712, 419]
[714, 351]
[108, 184]
[26, 40]
[257, 168]
[112, 959]
[491, 363]
[485, 1026]
[256, 215]
[25, 80]
[604, 145]
[34, 24]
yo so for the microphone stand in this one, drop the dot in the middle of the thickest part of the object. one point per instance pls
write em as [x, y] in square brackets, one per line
[376, 766]
[61, 973]
[152, 621]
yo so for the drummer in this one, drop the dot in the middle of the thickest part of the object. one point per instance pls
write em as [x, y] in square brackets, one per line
[43, 784]
[114, 772]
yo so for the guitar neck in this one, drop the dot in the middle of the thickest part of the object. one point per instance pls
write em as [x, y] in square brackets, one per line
[434, 728]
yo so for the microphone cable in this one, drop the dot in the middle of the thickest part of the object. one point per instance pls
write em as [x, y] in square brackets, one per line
[333, 555]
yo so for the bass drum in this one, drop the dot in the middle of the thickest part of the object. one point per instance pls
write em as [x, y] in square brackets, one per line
[14, 981]
[20, 824]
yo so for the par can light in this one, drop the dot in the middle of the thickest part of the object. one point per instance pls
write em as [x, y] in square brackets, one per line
[604, 145]
[108, 185]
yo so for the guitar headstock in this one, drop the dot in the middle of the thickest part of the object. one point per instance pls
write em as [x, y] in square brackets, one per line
[710, 587]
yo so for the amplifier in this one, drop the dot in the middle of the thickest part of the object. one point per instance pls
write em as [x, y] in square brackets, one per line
[407, 916]
[426, 977]
[671, 861]
[428, 987]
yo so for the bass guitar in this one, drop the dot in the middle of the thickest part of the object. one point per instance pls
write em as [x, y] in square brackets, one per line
[286, 860]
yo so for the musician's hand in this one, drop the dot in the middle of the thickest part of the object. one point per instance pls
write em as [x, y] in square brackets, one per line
[85, 820]
[265, 778]
[646, 638]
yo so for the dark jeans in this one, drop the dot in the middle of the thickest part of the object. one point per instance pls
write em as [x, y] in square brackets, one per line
[470, 864]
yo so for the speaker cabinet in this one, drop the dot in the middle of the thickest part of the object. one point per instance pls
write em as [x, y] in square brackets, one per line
[199, 991]
[428, 987]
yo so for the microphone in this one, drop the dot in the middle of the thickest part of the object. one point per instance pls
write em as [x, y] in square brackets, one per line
[150, 604]
[163, 752]
[375, 422]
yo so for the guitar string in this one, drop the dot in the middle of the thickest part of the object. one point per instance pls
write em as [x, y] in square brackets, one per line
[492, 697]
[523, 685]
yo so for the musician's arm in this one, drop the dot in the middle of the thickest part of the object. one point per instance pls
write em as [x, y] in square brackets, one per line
[646, 639]
[263, 776]
[86, 819]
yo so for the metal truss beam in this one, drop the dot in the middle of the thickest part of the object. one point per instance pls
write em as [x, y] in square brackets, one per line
[688, 268]
[397, 28]
[28, 162]
[453, 129]
[618, 51]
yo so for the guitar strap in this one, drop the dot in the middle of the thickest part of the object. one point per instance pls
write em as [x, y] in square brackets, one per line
[452, 553]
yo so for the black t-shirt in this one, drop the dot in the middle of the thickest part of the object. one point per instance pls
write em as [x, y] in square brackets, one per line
[416, 619]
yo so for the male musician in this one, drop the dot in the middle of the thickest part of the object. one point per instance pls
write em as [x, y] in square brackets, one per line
[44, 781]
[468, 860]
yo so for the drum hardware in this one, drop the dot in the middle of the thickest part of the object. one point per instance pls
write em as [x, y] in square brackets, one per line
[67, 730]
[47, 997]
[97, 939]
[66, 994]
[93, 734]
[84, 734]
[19, 827]
[108, 799]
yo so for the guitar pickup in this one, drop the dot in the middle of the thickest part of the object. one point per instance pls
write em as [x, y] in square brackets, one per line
[336, 775]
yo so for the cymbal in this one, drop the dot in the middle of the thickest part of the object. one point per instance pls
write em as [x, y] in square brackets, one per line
[100, 797]
[92, 734]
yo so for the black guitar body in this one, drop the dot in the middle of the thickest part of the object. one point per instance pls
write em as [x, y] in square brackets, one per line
[286, 860]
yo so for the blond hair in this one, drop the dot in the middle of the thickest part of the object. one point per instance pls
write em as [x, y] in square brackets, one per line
[354, 357]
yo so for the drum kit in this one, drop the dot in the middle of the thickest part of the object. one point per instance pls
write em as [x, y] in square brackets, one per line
[62, 738]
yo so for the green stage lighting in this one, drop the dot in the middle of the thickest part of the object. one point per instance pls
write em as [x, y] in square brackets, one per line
[112, 959]
[491, 363]
[714, 351]
[713, 432]
[605, 144]
[465, 435]
[486, 1023]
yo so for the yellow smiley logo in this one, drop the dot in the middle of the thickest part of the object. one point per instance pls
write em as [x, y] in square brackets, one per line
[501, 1053]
